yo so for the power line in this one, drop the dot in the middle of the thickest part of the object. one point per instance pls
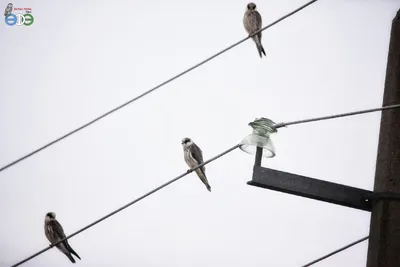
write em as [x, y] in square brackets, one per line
[278, 125]
[205, 163]
[336, 251]
[127, 205]
[283, 124]
[153, 89]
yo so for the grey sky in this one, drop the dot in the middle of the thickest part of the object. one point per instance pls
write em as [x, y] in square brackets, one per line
[81, 59]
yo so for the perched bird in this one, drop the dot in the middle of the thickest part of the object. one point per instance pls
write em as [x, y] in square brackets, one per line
[252, 22]
[54, 233]
[8, 9]
[193, 157]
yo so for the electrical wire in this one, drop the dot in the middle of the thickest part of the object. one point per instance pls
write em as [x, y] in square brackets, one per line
[127, 205]
[336, 251]
[152, 89]
[284, 124]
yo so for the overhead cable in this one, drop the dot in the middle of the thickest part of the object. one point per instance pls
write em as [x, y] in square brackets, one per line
[336, 251]
[151, 90]
[127, 205]
[284, 124]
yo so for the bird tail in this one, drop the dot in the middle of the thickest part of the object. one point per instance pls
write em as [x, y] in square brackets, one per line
[260, 48]
[203, 178]
[71, 250]
[209, 187]
[70, 257]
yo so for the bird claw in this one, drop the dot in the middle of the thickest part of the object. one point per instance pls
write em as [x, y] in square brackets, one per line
[188, 171]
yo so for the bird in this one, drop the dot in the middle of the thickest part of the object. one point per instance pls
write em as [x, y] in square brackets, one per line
[54, 233]
[193, 157]
[252, 22]
[8, 9]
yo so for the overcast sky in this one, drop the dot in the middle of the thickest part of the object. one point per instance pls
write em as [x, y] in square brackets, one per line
[80, 59]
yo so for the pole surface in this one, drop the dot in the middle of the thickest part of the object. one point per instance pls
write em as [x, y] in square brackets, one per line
[384, 240]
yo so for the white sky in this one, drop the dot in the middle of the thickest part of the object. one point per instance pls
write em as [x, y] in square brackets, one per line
[80, 59]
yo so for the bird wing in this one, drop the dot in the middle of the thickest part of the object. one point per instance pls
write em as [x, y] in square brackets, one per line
[197, 155]
[59, 235]
[258, 22]
[254, 22]
[57, 228]
[65, 247]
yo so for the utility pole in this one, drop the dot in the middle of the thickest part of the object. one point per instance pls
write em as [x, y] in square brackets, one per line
[384, 239]
[383, 202]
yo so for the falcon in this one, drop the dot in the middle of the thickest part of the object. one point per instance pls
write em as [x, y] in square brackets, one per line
[252, 22]
[54, 233]
[193, 157]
